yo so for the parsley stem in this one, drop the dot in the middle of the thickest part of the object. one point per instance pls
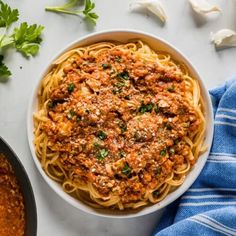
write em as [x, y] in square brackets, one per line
[69, 8]
[60, 10]
[4, 35]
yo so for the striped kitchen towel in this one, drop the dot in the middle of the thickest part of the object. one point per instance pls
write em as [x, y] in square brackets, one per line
[209, 206]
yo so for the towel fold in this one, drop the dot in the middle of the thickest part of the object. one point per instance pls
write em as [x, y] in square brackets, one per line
[209, 206]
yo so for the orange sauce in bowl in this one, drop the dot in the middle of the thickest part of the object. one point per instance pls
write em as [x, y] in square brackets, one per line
[12, 210]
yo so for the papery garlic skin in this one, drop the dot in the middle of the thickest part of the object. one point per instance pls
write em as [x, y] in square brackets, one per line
[203, 7]
[224, 38]
[154, 6]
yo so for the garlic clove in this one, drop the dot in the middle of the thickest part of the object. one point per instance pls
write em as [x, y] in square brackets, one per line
[203, 7]
[153, 6]
[224, 38]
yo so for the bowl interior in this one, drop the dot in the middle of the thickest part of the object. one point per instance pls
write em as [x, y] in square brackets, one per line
[158, 45]
[23, 180]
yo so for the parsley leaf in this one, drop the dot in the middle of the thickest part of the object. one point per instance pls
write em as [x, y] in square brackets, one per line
[126, 169]
[146, 108]
[69, 8]
[106, 66]
[70, 114]
[102, 153]
[71, 87]
[118, 59]
[27, 39]
[156, 108]
[6, 41]
[163, 152]
[123, 75]
[121, 154]
[4, 71]
[89, 6]
[7, 15]
[102, 135]
[155, 193]
[123, 127]
[158, 170]
[51, 104]
[96, 144]
[171, 88]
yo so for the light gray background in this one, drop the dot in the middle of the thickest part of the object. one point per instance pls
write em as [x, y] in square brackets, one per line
[189, 33]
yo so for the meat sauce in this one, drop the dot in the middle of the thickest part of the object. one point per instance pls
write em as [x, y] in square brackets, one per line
[12, 214]
[118, 122]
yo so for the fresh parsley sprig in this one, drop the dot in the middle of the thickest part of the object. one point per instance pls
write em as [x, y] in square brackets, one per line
[7, 15]
[25, 39]
[70, 8]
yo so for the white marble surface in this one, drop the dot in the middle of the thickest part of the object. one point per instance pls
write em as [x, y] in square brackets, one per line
[188, 33]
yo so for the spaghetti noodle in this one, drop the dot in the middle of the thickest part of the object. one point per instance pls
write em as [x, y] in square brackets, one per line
[118, 125]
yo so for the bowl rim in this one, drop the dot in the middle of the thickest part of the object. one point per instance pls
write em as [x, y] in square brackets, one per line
[25, 187]
[155, 207]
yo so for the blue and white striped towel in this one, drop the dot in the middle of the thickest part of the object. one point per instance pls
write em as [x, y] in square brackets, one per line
[209, 206]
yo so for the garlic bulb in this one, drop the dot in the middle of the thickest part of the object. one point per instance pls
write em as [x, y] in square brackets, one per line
[224, 38]
[152, 5]
[203, 7]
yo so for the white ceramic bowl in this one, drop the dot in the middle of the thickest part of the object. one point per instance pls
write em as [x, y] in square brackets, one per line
[157, 44]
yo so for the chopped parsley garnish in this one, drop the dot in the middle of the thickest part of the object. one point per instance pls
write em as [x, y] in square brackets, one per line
[122, 154]
[106, 66]
[155, 193]
[126, 169]
[127, 97]
[166, 79]
[156, 108]
[70, 114]
[186, 125]
[102, 135]
[168, 126]
[96, 144]
[71, 87]
[158, 170]
[79, 118]
[51, 104]
[146, 108]
[171, 88]
[118, 59]
[123, 75]
[119, 85]
[176, 141]
[123, 127]
[116, 90]
[163, 152]
[138, 136]
[102, 153]
[112, 71]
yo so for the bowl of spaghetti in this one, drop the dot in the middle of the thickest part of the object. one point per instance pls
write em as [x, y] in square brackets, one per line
[120, 124]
